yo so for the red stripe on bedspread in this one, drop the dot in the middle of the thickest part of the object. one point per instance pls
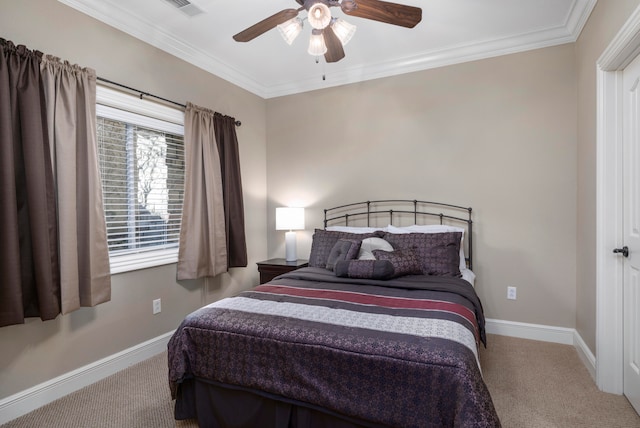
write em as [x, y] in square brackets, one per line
[372, 299]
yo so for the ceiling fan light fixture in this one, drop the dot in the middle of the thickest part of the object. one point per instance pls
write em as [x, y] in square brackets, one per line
[319, 16]
[290, 30]
[317, 47]
[343, 30]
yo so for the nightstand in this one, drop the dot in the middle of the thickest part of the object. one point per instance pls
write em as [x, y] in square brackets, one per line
[271, 268]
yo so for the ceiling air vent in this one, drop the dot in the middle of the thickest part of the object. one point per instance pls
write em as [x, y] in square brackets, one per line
[186, 7]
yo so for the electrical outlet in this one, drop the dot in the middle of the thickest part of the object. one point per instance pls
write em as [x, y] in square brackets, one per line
[157, 306]
[511, 293]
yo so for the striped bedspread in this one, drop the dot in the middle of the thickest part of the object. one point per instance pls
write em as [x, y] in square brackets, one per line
[396, 353]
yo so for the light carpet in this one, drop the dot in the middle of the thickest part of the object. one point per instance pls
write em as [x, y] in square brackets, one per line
[533, 385]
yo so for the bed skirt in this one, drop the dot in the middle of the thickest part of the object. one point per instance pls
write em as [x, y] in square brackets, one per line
[218, 405]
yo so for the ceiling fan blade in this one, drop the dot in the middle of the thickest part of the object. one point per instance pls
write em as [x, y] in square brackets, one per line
[335, 52]
[265, 25]
[387, 12]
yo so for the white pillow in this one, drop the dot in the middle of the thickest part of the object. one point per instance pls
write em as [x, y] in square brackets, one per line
[430, 228]
[352, 229]
[433, 228]
[370, 244]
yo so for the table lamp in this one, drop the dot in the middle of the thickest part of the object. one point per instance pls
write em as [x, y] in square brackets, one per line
[289, 218]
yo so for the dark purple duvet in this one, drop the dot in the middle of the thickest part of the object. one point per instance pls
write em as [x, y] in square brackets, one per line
[400, 353]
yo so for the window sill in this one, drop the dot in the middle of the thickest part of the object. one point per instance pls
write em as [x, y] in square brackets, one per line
[131, 262]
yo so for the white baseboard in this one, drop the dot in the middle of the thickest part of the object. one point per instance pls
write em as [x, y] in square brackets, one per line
[585, 355]
[522, 330]
[545, 333]
[24, 402]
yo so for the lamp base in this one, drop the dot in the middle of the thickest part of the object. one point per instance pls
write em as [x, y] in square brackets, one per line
[290, 246]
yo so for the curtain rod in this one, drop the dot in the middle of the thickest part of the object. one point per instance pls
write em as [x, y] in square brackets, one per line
[142, 93]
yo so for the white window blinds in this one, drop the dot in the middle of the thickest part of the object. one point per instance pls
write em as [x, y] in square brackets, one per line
[141, 162]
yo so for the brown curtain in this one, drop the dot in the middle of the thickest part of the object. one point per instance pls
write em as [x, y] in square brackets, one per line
[225, 129]
[29, 279]
[70, 93]
[203, 250]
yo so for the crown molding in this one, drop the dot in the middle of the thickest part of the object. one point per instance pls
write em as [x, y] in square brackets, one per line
[138, 27]
[142, 29]
[567, 33]
[578, 16]
[429, 60]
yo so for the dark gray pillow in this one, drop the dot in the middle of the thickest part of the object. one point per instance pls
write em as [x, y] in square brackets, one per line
[324, 240]
[344, 249]
[438, 253]
[364, 269]
[405, 262]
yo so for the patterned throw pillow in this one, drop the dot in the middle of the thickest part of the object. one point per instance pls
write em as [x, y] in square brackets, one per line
[364, 269]
[438, 253]
[344, 249]
[324, 240]
[405, 262]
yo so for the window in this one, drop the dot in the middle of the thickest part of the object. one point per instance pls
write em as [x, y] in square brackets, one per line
[141, 160]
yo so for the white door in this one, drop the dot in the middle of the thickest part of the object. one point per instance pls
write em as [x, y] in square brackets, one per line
[631, 184]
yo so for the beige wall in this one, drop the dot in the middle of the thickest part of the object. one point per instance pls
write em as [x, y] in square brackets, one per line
[604, 23]
[36, 352]
[513, 137]
[498, 135]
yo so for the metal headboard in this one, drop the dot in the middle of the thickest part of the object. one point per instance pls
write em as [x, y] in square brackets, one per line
[420, 212]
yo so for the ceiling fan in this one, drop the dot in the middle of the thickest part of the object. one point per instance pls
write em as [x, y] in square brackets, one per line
[330, 34]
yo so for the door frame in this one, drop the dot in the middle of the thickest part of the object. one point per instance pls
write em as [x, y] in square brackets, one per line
[609, 210]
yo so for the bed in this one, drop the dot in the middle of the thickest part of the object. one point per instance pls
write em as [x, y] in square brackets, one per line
[381, 330]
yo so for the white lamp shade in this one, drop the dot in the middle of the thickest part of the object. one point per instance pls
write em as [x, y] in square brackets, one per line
[319, 16]
[289, 218]
[317, 47]
[290, 29]
[343, 30]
